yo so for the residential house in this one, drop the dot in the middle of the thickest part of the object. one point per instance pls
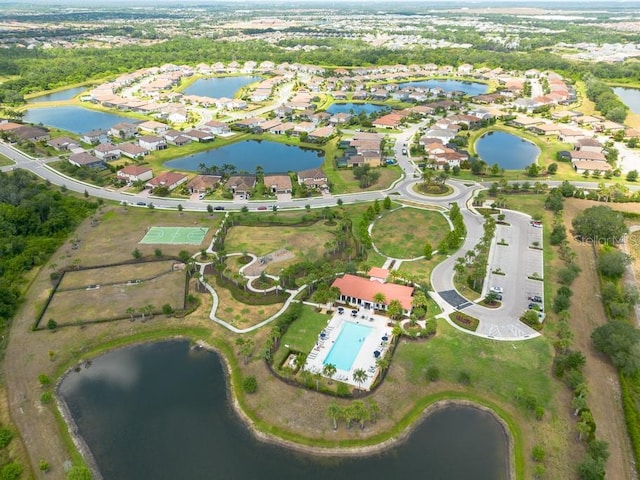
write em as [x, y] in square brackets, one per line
[216, 127]
[268, 125]
[95, 136]
[134, 173]
[340, 118]
[241, 184]
[391, 120]
[170, 180]
[321, 134]
[360, 292]
[546, 129]
[62, 144]
[124, 130]
[278, 184]
[107, 152]
[249, 123]
[203, 183]
[588, 144]
[152, 142]
[570, 135]
[313, 178]
[132, 150]
[304, 127]
[283, 128]
[175, 137]
[156, 128]
[31, 134]
[197, 135]
[85, 159]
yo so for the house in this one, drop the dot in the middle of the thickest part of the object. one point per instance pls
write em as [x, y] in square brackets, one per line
[31, 134]
[216, 127]
[241, 184]
[95, 136]
[174, 137]
[587, 155]
[445, 135]
[304, 127]
[268, 125]
[570, 135]
[360, 291]
[131, 150]
[391, 120]
[152, 142]
[197, 135]
[135, 173]
[588, 144]
[582, 166]
[339, 118]
[154, 127]
[322, 133]
[85, 159]
[313, 178]
[62, 144]
[107, 152]
[124, 130]
[282, 128]
[278, 183]
[167, 179]
[203, 183]
[249, 123]
[545, 129]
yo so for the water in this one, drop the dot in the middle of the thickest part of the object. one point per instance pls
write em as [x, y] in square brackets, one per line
[160, 411]
[224, 87]
[630, 97]
[74, 119]
[246, 156]
[470, 88]
[67, 94]
[509, 151]
[356, 108]
[347, 346]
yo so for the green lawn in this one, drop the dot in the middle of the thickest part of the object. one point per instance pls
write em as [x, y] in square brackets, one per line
[497, 368]
[4, 161]
[303, 333]
[403, 233]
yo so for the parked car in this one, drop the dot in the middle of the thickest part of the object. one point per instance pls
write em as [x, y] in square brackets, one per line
[142, 204]
[218, 207]
[536, 298]
[495, 289]
[262, 207]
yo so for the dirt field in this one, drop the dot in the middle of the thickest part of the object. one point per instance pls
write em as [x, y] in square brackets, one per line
[604, 389]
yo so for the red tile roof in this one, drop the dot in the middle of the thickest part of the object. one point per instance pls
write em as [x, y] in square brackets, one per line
[365, 289]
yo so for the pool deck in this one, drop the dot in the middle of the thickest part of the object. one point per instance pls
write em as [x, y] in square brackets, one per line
[365, 358]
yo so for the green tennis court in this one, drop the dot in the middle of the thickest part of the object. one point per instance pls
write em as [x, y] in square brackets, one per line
[175, 235]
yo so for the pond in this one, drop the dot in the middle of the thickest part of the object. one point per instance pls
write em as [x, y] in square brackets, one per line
[356, 108]
[219, 87]
[246, 156]
[630, 97]
[161, 411]
[470, 88]
[67, 94]
[509, 151]
[74, 119]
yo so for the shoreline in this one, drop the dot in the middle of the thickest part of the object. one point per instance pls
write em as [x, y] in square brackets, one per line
[317, 451]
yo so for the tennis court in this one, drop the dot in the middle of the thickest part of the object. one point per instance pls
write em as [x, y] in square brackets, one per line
[175, 235]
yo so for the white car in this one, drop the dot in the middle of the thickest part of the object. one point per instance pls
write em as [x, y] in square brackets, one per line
[496, 289]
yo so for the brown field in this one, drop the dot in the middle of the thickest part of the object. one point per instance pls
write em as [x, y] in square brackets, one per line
[112, 301]
[119, 230]
[587, 313]
[304, 242]
[114, 274]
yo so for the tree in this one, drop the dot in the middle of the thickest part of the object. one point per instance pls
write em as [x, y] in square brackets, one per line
[360, 376]
[11, 471]
[250, 384]
[52, 324]
[600, 225]
[334, 412]
[180, 208]
[591, 469]
[433, 373]
[209, 208]
[380, 299]
[632, 176]
[137, 254]
[167, 309]
[329, 370]
[552, 168]
[613, 262]
[428, 251]
[533, 170]
[386, 203]
[621, 341]
[374, 409]
[558, 234]
[395, 310]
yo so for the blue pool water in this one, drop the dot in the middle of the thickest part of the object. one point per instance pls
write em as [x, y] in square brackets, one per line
[347, 345]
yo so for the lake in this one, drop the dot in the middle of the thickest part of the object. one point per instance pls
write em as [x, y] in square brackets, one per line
[630, 97]
[67, 94]
[74, 119]
[246, 156]
[356, 108]
[470, 88]
[509, 151]
[223, 87]
[161, 411]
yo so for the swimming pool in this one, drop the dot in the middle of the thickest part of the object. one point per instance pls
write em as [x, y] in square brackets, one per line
[347, 346]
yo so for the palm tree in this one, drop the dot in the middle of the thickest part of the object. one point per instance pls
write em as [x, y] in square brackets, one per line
[374, 409]
[329, 370]
[361, 412]
[131, 311]
[360, 376]
[380, 299]
[428, 176]
[334, 412]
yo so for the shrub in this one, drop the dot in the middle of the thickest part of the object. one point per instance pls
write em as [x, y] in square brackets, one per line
[6, 436]
[342, 390]
[44, 380]
[538, 453]
[433, 374]
[43, 466]
[52, 324]
[11, 471]
[46, 397]
[250, 384]
[464, 377]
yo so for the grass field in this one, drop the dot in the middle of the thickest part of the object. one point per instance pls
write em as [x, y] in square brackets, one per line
[305, 242]
[403, 233]
[303, 333]
[113, 301]
[114, 274]
[4, 161]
